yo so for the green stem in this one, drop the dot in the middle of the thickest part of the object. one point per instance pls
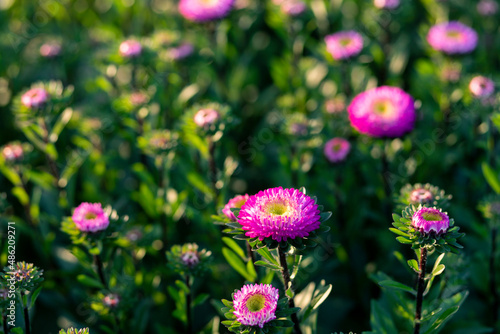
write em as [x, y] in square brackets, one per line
[286, 280]
[493, 289]
[27, 324]
[100, 270]
[188, 308]
[251, 256]
[420, 290]
[213, 169]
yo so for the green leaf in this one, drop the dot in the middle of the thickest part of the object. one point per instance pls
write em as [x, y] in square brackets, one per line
[414, 265]
[445, 316]
[266, 254]
[289, 293]
[396, 285]
[395, 230]
[286, 312]
[438, 270]
[235, 247]
[200, 299]
[237, 264]
[182, 286]
[88, 281]
[267, 265]
[491, 177]
[21, 195]
[403, 240]
[227, 303]
[35, 295]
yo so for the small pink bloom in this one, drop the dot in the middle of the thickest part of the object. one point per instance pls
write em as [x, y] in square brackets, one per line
[452, 38]
[255, 304]
[481, 86]
[235, 202]
[427, 220]
[487, 7]
[382, 112]
[336, 149]
[387, 4]
[344, 44]
[130, 48]
[190, 258]
[34, 98]
[12, 152]
[180, 52]
[205, 117]
[421, 196]
[90, 217]
[51, 49]
[205, 10]
[111, 300]
[138, 98]
[293, 7]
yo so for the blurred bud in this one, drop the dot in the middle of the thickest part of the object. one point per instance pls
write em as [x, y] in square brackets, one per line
[34, 98]
[481, 86]
[487, 7]
[205, 117]
[50, 49]
[180, 52]
[12, 152]
[293, 7]
[336, 149]
[111, 300]
[133, 235]
[187, 259]
[335, 105]
[386, 4]
[130, 48]
[138, 98]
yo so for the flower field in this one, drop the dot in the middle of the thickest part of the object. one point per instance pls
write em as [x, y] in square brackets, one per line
[249, 166]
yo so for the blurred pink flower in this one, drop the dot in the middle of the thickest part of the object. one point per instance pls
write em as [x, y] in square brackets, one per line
[111, 300]
[138, 98]
[336, 149]
[481, 86]
[280, 214]
[421, 196]
[12, 152]
[205, 117]
[205, 10]
[335, 105]
[452, 38]
[293, 7]
[487, 7]
[90, 217]
[387, 4]
[426, 220]
[180, 52]
[382, 112]
[255, 304]
[130, 48]
[344, 44]
[50, 49]
[34, 97]
[235, 202]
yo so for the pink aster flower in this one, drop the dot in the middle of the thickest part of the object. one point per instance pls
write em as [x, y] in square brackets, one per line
[426, 220]
[34, 97]
[90, 217]
[180, 52]
[481, 86]
[205, 117]
[487, 7]
[235, 202]
[336, 149]
[293, 7]
[12, 152]
[255, 304]
[50, 49]
[452, 38]
[344, 44]
[421, 196]
[130, 48]
[205, 10]
[280, 214]
[382, 112]
[387, 4]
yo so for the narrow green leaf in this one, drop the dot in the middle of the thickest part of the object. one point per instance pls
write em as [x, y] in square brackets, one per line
[491, 177]
[267, 265]
[235, 247]
[88, 281]
[413, 265]
[395, 230]
[236, 263]
[403, 240]
[396, 285]
[266, 254]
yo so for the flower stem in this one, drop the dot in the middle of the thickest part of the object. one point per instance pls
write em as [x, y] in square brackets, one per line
[420, 289]
[163, 191]
[251, 256]
[100, 270]
[26, 316]
[493, 290]
[213, 169]
[188, 308]
[345, 77]
[286, 279]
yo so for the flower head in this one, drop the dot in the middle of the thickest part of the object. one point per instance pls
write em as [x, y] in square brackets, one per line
[293, 7]
[180, 52]
[235, 202]
[452, 38]
[90, 217]
[481, 86]
[188, 258]
[382, 112]
[280, 214]
[34, 98]
[205, 117]
[427, 220]
[50, 49]
[205, 10]
[74, 331]
[336, 149]
[387, 4]
[130, 48]
[26, 276]
[111, 300]
[487, 7]
[12, 152]
[344, 44]
[138, 98]
[422, 194]
[255, 304]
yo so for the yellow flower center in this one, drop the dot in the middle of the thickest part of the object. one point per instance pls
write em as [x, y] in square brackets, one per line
[345, 41]
[453, 34]
[239, 204]
[256, 303]
[90, 215]
[431, 217]
[277, 208]
[383, 107]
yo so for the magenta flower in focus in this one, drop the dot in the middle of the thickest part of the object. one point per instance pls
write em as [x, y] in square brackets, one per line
[50, 49]
[12, 152]
[487, 7]
[205, 10]
[336, 149]
[481, 86]
[235, 202]
[293, 7]
[90, 217]
[382, 112]
[386, 4]
[255, 304]
[130, 48]
[344, 44]
[280, 214]
[452, 38]
[34, 97]
[426, 220]
[205, 117]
